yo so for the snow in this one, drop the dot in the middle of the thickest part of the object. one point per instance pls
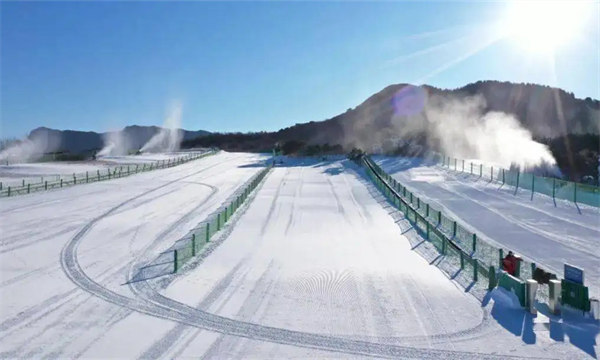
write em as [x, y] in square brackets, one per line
[542, 232]
[316, 254]
[42, 312]
[312, 267]
[13, 174]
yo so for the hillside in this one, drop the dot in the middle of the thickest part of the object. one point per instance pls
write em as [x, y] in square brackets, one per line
[402, 118]
[89, 142]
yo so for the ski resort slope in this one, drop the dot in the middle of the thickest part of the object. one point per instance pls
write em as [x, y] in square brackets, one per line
[37, 172]
[546, 233]
[316, 256]
[45, 314]
[313, 266]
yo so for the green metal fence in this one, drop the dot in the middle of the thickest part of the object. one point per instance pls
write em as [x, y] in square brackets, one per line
[195, 241]
[553, 187]
[98, 175]
[448, 236]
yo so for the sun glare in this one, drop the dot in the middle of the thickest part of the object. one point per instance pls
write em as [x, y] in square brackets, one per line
[544, 26]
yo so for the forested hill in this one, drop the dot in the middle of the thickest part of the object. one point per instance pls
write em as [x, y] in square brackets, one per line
[550, 114]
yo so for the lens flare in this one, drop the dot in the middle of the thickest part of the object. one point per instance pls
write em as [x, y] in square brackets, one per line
[410, 100]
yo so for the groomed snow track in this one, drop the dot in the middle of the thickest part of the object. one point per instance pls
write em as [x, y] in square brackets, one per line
[150, 302]
[310, 240]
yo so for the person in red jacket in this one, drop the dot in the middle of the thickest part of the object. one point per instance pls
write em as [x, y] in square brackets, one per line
[509, 263]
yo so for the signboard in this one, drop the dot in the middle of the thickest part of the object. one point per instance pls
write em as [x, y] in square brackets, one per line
[573, 274]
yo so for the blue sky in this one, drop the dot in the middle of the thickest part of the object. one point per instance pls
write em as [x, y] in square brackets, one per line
[249, 66]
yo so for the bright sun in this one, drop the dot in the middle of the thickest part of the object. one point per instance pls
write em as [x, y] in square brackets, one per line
[544, 26]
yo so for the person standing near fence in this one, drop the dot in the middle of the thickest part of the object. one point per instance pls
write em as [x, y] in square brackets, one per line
[509, 263]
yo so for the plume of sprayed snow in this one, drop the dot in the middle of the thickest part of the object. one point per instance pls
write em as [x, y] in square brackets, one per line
[169, 137]
[460, 127]
[31, 148]
[115, 143]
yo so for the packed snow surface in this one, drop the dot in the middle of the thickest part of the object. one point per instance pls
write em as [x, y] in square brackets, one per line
[545, 232]
[38, 172]
[312, 267]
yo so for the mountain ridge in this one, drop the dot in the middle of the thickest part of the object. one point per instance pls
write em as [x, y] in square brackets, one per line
[89, 142]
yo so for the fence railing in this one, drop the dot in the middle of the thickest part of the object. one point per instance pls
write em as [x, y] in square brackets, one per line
[473, 254]
[98, 175]
[197, 239]
[449, 237]
[556, 188]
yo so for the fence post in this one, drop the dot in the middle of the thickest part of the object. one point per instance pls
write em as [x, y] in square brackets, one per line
[418, 203]
[518, 269]
[532, 185]
[46, 185]
[207, 232]
[575, 195]
[427, 210]
[86, 177]
[74, 179]
[0, 185]
[444, 244]
[480, 170]
[492, 278]
[174, 261]
[492, 174]
[193, 244]
[427, 229]
[454, 230]
[28, 188]
[218, 221]
[462, 261]
[61, 180]
[23, 183]
[474, 242]
[475, 270]
[463, 165]
[455, 164]
[500, 257]
[108, 171]
[9, 191]
[471, 168]
[98, 174]
[518, 175]
[503, 178]
[553, 187]
[439, 217]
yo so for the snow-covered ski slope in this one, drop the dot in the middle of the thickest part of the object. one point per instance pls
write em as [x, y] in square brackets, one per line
[313, 266]
[37, 172]
[42, 312]
[317, 262]
[546, 232]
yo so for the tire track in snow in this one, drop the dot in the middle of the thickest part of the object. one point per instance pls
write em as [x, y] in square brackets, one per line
[172, 309]
[219, 322]
[159, 306]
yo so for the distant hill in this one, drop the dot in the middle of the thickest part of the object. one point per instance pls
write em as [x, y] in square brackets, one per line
[550, 114]
[88, 142]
